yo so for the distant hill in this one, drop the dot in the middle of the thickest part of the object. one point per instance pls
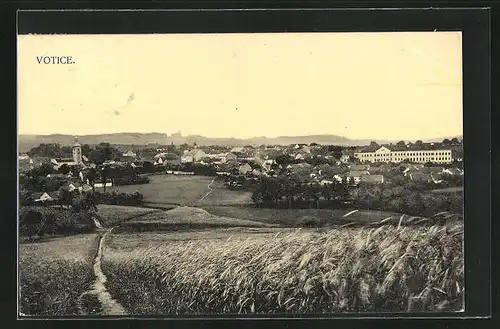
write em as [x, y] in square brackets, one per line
[26, 142]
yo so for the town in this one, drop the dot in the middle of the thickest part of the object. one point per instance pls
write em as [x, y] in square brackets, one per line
[81, 168]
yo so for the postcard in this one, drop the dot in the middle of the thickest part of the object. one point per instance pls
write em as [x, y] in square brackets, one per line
[240, 174]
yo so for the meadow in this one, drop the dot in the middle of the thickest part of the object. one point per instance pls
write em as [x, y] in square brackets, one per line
[184, 190]
[270, 270]
[53, 273]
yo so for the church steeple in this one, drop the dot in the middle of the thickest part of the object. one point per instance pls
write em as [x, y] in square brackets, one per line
[77, 152]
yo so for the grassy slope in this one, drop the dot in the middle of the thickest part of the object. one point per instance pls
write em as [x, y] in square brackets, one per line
[185, 190]
[54, 273]
[184, 218]
[384, 269]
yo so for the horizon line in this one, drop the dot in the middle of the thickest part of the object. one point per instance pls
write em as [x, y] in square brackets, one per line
[245, 138]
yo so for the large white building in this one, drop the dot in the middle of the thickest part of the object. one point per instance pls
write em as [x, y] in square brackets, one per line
[384, 154]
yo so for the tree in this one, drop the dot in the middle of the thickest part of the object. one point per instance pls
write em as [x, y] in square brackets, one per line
[401, 143]
[31, 223]
[419, 142]
[42, 170]
[65, 196]
[455, 141]
[92, 177]
[446, 141]
[105, 170]
[64, 169]
[97, 156]
[86, 149]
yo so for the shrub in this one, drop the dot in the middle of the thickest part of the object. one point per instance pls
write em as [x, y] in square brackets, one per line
[131, 180]
[48, 220]
[116, 198]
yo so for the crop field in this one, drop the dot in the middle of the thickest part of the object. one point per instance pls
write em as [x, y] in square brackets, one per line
[276, 270]
[297, 217]
[184, 190]
[54, 272]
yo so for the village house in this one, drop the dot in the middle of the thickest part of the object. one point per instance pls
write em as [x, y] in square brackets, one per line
[245, 169]
[364, 167]
[372, 179]
[194, 155]
[129, 153]
[356, 175]
[45, 197]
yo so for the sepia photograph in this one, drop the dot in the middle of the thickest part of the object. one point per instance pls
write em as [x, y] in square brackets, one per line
[240, 174]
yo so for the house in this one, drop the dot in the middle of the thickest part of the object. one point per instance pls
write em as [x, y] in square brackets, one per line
[237, 151]
[171, 159]
[365, 167]
[194, 155]
[58, 175]
[356, 175]
[129, 153]
[437, 178]
[44, 197]
[58, 162]
[420, 177]
[228, 157]
[372, 179]
[431, 170]
[453, 171]
[345, 158]
[245, 169]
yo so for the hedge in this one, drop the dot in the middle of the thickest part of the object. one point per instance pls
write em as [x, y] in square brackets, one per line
[116, 198]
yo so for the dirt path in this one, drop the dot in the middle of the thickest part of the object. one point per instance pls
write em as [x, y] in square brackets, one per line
[108, 305]
[210, 190]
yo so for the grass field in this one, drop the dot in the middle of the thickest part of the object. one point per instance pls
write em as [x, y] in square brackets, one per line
[182, 218]
[112, 214]
[261, 271]
[54, 272]
[184, 190]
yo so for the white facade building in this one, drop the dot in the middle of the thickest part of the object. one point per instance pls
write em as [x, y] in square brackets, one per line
[384, 154]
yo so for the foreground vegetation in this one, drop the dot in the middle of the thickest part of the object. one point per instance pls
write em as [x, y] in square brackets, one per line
[53, 274]
[348, 270]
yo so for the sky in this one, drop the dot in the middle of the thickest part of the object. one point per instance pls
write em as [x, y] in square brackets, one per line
[358, 85]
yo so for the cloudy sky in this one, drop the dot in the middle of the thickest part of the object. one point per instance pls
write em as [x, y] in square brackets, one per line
[358, 85]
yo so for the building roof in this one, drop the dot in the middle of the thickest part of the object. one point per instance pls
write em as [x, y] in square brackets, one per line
[418, 176]
[372, 178]
[359, 167]
[407, 147]
[357, 173]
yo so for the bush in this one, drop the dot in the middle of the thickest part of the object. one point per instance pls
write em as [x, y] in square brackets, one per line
[46, 220]
[116, 198]
[131, 180]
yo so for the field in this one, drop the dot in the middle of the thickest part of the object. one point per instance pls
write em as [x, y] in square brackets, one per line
[182, 218]
[184, 190]
[53, 273]
[301, 217]
[112, 214]
[262, 270]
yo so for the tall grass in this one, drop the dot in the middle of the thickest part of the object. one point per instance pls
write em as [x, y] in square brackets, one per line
[346, 270]
[53, 274]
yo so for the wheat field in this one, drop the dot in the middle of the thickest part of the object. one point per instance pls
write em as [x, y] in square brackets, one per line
[385, 269]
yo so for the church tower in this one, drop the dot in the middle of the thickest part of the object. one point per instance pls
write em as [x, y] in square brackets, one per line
[77, 152]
